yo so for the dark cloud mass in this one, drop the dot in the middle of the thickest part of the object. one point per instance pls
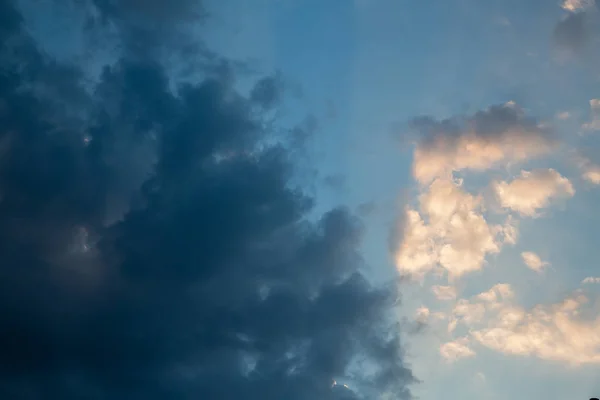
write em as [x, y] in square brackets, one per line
[578, 33]
[152, 247]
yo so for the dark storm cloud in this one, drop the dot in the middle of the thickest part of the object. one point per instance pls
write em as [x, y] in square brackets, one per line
[152, 247]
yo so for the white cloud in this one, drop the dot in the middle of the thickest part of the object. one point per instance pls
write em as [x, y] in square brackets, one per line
[533, 261]
[563, 115]
[456, 235]
[563, 332]
[444, 293]
[498, 292]
[532, 191]
[456, 349]
[473, 312]
[591, 279]
[467, 313]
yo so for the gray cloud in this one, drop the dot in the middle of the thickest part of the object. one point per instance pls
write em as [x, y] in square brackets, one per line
[578, 33]
[152, 247]
[499, 134]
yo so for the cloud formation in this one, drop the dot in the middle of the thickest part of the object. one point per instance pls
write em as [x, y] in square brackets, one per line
[590, 171]
[564, 332]
[594, 123]
[500, 134]
[456, 350]
[152, 246]
[577, 32]
[454, 234]
[533, 261]
[577, 5]
[532, 191]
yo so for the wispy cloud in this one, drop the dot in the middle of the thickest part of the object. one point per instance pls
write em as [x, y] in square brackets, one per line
[533, 261]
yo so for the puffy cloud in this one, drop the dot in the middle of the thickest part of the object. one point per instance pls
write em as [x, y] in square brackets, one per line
[564, 332]
[471, 312]
[532, 191]
[591, 174]
[152, 245]
[533, 261]
[591, 279]
[456, 235]
[500, 134]
[444, 293]
[456, 350]
[500, 291]
[577, 5]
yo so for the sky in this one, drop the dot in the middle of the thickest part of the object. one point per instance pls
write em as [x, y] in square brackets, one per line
[299, 199]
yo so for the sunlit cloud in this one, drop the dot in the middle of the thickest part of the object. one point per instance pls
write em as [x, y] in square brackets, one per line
[532, 191]
[499, 135]
[533, 261]
[450, 231]
[576, 5]
[456, 350]
[558, 332]
[590, 171]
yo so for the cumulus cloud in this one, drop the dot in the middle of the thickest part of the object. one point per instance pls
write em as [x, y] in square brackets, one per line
[449, 231]
[152, 246]
[489, 138]
[563, 332]
[533, 261]
[533, 191]
[457, 349]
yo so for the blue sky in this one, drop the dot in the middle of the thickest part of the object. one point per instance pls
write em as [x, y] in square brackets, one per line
[462, 133]
[381, 63]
